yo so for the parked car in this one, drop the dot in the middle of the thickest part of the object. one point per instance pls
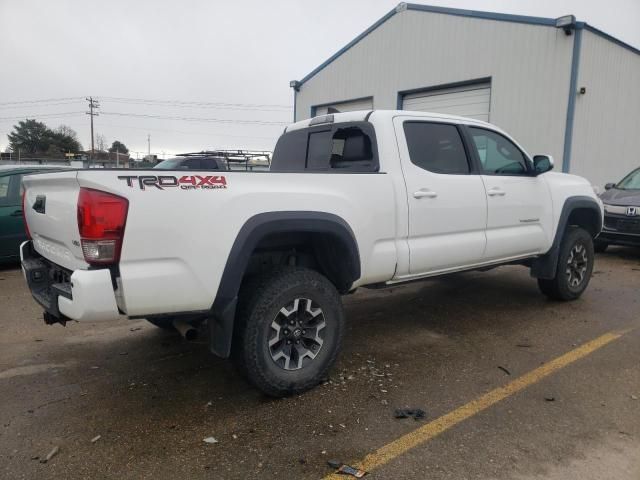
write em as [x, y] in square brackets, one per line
[358, 199]
[193, 161]
[246, 160]
[12, 232]
[621, 213]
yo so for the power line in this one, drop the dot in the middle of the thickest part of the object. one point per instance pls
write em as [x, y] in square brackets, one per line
[38, 105]
[199, 104]
[47, 100]
[42, 115]
[196, 119]
[171, 130]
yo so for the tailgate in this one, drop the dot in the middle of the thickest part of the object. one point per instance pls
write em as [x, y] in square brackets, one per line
[51, 202]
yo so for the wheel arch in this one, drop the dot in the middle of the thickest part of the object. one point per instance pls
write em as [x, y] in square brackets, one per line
[328, 230]
[581, 211]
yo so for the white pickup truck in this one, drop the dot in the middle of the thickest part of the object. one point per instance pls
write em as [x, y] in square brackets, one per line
[352, 200]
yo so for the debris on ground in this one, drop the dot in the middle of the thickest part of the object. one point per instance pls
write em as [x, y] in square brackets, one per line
[345, 469]
[384, 402]
[54, 451]
[124, 353]
[550, 398]
[210, 440]
[135, 329]
[634, 397]
[96, 438]
[415, 413]
[504, 369]
[524, 345]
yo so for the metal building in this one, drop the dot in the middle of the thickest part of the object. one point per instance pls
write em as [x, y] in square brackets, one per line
[559, 86]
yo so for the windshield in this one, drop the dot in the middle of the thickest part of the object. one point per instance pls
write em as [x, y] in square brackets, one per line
[631, 181]
[170, 164]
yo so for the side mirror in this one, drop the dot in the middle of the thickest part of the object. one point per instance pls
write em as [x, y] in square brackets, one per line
[609, 186]
[542, 164]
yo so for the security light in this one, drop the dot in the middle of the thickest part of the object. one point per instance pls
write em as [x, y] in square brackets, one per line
[567, 23]
[295, 84]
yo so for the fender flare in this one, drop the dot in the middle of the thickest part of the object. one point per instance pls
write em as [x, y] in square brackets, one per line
[546, 265]
[252, 232]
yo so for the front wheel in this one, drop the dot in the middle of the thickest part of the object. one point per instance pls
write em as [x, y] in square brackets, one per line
[575, 264]
[288, 330]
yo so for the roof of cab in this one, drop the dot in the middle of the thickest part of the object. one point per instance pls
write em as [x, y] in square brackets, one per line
[363, 115]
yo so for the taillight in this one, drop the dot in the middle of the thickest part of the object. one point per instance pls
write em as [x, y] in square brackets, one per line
[24, 215]
[101, 220]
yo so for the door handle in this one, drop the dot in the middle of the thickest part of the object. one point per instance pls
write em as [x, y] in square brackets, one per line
[496, 192]
[424, 194]
[17, 213]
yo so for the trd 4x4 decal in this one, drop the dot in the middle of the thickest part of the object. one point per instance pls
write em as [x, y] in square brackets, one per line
[186, 182]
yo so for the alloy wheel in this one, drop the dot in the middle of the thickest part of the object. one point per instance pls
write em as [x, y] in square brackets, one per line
[297, 334]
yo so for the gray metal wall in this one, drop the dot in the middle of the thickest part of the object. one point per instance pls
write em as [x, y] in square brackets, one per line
[529, 66]
[606, 131]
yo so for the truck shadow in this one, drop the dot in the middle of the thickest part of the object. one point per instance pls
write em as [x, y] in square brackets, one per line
[624, 253]
[150, 370]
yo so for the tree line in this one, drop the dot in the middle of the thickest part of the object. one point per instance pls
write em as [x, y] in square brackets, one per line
[31, 137]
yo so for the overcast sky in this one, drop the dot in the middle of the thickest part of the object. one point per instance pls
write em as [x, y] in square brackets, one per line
[170, 53]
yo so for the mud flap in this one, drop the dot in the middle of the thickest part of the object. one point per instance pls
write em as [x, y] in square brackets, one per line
[221, 327]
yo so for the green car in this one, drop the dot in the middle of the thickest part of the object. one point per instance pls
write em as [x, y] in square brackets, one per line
[12, 231]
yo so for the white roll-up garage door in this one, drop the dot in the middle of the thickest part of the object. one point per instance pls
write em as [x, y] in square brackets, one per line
[468, 101]
[351, 106]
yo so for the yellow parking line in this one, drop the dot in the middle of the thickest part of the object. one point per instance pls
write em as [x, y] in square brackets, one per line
[432, 429]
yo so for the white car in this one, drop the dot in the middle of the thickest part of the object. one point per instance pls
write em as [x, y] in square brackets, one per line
[352, 200]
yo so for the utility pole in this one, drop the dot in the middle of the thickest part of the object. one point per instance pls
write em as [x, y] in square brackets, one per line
[93, 105]
[148, 147]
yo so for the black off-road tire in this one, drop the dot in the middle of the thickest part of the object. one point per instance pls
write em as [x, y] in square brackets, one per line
[599, 246]
[561, 287]
[261, 302]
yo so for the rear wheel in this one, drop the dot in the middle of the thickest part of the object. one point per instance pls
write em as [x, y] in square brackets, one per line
[288, 330]
[575, 264]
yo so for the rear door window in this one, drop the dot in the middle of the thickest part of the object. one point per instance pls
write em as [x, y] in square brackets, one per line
[436, 147]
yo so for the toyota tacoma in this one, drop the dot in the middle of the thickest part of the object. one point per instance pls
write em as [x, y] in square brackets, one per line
[260, 260]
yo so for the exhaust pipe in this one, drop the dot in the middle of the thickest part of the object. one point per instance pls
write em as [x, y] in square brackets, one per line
[188, 331]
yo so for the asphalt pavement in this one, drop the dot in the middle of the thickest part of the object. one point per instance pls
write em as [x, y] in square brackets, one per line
[514, 386]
